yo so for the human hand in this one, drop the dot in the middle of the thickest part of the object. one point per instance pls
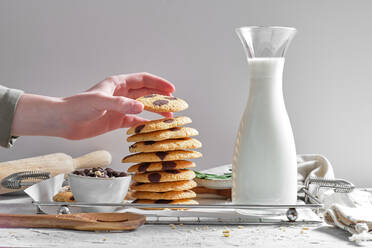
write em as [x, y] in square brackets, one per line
[107, 106]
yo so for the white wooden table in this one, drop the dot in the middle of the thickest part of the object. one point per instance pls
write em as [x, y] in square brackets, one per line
[168, 236]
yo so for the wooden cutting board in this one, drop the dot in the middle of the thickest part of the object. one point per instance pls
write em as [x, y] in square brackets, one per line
[81, 221]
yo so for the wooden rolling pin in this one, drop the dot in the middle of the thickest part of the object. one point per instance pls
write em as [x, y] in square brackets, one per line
[55, 163]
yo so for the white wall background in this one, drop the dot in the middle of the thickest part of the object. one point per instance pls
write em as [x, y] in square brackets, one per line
[59, 48]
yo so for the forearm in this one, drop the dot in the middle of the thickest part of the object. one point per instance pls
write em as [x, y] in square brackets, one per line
[37, 115]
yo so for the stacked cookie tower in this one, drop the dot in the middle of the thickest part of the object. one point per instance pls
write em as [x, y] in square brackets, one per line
[161, 149]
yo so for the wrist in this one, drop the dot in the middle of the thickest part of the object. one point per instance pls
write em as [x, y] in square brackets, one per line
[37, 115]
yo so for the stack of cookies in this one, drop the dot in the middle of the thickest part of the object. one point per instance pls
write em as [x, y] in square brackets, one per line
[161, 150]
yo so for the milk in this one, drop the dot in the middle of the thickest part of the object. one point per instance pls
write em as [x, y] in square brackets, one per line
[264, 163]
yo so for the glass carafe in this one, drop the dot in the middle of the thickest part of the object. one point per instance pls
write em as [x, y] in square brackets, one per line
[264, 163]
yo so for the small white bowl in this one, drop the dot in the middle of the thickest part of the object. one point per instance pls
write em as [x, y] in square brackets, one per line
[99, 190]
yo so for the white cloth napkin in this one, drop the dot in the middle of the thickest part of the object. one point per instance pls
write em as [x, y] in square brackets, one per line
[349, 211]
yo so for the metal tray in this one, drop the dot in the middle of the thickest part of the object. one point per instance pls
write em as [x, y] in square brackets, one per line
[289, 213]
[289, 216]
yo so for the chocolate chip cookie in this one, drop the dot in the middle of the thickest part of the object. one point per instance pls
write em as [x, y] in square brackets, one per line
[165, 186]
[173, 202]
[165, 145]
[158, 166]
[170, 195]
[65, 196]
[160, 124]
[172, 133]
[161, 103]
[164, 176]
[160, 156]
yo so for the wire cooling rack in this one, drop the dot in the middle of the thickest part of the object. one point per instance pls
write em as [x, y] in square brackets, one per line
[282, 214]
[288, 214]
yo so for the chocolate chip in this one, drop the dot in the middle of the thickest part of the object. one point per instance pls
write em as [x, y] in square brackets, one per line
[175, 129]
[154, 177]
[138, 184]
[161, 155]
[171, 98]
[149, 142]
[72, 198]
[149, 96]
[139, 128]
[169, 121]
[160, 102]
[123, 174]
[173, 171]
[143, 167]
[168, 165]
[162, 201]
[133, 146]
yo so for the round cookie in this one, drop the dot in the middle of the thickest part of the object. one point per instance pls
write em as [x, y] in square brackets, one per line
[172, 133]
[164, 176]
[160, 124]
[164, 187]
[173, 202]
[170, 195]
[165, 145]
[181, 201]
[160, 156]
[65, 196]
[161, 103]
[158, 166]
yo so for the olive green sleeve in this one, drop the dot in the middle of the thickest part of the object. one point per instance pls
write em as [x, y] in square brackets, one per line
[8, 103]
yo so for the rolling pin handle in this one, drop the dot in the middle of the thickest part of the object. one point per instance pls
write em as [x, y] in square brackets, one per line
[94, 159]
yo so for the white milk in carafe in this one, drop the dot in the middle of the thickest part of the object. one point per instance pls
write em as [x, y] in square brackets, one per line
[264, 163]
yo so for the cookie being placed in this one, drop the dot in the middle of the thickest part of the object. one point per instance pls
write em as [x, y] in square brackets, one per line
[65, 196]
[172, 133]
[161, 103]
[160, 124]
[170, 195]
[160, 156]
[164, 187]
[158, 166]
[165, 145]
[164, 176]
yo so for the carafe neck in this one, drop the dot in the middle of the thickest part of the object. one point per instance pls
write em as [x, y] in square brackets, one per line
[265, 76]
[266, 67]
